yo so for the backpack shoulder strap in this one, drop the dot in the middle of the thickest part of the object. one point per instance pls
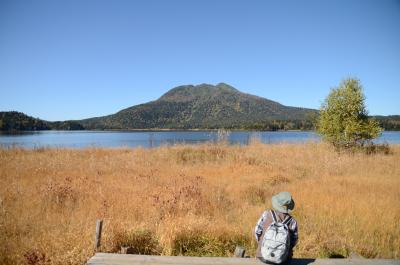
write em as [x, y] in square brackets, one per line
[287, 220]
[273, 216]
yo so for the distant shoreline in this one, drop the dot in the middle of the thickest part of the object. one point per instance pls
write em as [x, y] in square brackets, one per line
[157, 130]
[165, 130]
[14, 121]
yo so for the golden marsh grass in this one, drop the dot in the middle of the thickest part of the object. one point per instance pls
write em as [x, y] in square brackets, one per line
[193, 200]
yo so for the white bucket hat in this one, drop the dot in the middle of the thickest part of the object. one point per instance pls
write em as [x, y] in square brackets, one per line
[283, 202]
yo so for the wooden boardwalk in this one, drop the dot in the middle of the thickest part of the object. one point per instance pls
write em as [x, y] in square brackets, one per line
[128, 259]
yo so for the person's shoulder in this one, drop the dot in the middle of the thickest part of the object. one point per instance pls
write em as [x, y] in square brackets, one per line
[265, 212]
[293, 220]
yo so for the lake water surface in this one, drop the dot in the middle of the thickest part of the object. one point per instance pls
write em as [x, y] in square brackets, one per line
[80, 139]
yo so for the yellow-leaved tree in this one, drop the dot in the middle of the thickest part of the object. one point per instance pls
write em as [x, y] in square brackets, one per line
[344, 120]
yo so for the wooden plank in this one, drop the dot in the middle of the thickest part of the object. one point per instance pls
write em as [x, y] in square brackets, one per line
[239, 252]
[118, 259]
[99, 226]
[126, 259]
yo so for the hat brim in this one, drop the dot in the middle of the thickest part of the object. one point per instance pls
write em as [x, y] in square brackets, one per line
[280, 208]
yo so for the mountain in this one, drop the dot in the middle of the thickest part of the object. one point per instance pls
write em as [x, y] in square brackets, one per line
[192, 107]
[200, 107]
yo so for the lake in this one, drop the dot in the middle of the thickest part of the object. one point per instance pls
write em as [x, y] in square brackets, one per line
[80, 139]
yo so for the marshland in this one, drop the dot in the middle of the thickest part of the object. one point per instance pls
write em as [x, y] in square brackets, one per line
[200, 200]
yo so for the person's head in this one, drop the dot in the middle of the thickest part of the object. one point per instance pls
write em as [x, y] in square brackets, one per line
[283, 202]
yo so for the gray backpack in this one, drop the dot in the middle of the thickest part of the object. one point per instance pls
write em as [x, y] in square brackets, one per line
[275, 246]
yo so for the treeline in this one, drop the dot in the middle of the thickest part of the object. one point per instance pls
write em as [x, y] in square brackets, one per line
[273, 125]
[389, 123]
[66, 125]
[18, 121]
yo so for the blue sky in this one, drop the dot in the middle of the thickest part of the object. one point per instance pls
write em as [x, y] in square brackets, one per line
[78, 58]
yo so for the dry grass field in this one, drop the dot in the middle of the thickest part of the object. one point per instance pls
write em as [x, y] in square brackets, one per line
[193, 200]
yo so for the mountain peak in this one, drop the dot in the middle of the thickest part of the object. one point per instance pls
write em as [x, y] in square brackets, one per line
[191, 92]
[226, 86]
